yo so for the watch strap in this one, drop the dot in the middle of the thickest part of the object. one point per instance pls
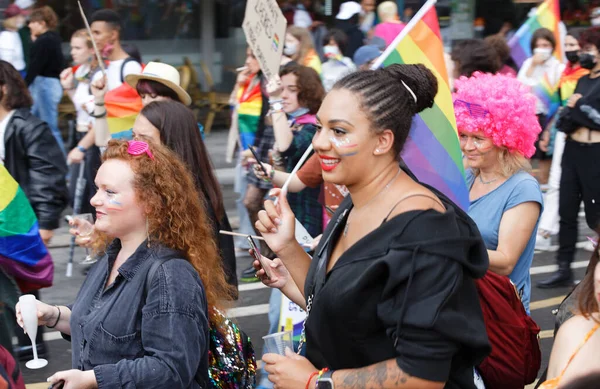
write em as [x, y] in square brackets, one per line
[325, 378]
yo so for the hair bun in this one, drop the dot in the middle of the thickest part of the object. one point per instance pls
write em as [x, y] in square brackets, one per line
[419, 79]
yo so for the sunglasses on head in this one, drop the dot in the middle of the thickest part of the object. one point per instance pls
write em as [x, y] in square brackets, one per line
[475, 110]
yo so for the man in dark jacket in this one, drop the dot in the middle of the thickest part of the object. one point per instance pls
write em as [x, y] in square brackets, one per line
[30, 152]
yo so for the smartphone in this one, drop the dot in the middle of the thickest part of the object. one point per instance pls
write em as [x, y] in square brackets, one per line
[57, 385]
[258, 161]
[259, 258]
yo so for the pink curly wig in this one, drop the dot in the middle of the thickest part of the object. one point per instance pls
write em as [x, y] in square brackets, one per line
[499, 106]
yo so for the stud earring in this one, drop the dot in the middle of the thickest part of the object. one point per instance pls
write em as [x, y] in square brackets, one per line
[377, 151]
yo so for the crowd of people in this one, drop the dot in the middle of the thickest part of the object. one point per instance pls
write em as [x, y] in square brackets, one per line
[396, 278]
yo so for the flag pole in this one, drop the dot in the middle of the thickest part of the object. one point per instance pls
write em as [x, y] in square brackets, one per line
[411, 24]
[89, 30]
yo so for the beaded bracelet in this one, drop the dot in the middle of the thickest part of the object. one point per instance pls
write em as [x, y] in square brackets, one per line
[320, 374]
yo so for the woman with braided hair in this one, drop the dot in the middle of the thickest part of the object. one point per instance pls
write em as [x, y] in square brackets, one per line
[392, 281]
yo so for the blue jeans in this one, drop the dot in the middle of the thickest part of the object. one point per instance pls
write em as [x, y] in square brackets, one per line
[46, 93]
[239, 186]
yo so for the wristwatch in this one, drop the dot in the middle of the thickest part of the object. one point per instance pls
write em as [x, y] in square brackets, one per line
[325, 381]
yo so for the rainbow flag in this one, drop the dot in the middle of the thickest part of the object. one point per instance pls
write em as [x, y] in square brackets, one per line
[123, 104]
[23, 254]
[547, 15]
[548, 95]
[568, 82]
[248, 110]
[432, 150]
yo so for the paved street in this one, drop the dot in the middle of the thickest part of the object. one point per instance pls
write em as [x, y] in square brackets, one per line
[251, 310]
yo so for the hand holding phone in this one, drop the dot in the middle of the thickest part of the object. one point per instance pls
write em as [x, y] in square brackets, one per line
[256, 254]
[258, 161]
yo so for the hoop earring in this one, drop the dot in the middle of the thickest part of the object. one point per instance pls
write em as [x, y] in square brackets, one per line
[147, 234]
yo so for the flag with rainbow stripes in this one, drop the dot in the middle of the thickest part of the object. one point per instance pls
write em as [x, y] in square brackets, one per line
[548, 95]
[432, 151]
[23, 254]
[547, 15]
[123, 104]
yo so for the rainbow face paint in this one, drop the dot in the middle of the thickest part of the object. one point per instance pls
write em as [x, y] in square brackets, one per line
[345, 147]
[114, 204]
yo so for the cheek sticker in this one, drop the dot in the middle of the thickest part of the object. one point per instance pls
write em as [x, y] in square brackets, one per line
[114, 204]
[344, 146]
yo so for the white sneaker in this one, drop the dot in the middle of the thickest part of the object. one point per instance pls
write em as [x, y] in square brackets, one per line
[589, 246]
[542, 242]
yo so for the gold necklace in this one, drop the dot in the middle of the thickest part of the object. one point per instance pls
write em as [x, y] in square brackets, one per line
[370, 201]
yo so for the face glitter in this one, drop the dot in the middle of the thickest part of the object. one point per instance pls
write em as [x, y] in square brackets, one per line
[347, 149]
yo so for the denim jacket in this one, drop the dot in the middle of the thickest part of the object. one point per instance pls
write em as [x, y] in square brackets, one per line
[137, 338]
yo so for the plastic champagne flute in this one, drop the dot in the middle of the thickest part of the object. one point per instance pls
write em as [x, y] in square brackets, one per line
[28, 304]
[85, 229]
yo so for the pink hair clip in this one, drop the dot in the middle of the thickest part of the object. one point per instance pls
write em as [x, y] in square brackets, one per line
[137, 147]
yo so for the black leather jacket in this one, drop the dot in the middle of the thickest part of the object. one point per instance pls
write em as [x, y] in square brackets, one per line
[36, 162]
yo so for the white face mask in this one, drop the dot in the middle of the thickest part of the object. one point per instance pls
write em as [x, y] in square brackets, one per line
[331, 51]
[545, 53]
[290, 49]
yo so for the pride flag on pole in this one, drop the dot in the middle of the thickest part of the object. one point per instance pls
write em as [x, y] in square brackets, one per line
[23, 254]
[123, 104]
[432, 151]
[547, 15]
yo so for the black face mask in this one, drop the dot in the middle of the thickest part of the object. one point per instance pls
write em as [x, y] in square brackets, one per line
[587, 60]
[572, 56]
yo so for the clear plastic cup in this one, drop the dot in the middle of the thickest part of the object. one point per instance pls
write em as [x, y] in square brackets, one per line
[277, 343]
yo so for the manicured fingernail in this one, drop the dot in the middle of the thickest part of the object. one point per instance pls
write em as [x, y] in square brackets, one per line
[278, 221]
[274, 230]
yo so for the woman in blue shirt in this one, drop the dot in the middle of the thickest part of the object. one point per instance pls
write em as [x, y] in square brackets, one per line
[496, 121]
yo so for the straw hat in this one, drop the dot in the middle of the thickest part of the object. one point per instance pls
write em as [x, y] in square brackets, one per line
[164, 74]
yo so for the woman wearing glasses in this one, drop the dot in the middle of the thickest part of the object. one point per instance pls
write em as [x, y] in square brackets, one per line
[498, 129]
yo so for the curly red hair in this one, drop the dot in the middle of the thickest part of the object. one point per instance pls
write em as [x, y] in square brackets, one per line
[176, 218]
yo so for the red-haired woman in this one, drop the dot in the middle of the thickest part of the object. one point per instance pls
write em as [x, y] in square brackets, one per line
[126, 329]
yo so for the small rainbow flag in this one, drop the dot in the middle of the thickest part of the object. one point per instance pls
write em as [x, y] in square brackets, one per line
[275, 42]
[23, 254]
[248, 110]
[123, 104]
[547, 15]
[548, 95]
[432, 150]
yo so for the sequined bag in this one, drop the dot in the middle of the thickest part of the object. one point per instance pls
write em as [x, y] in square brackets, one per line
[231, 358]
[232, 363]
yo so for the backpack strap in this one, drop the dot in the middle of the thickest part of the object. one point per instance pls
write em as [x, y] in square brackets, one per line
[125, 62]
[151, 272]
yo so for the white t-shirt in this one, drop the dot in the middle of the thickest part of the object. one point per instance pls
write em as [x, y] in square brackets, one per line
[113, 72]
[11, 49]
[552, 67]
[83, 99]
[3, 125]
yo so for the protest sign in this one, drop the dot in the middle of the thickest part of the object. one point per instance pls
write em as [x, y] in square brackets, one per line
[264, 26]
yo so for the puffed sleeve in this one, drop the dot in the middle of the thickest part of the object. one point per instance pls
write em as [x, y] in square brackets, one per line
[435, 318]
[174, 334]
